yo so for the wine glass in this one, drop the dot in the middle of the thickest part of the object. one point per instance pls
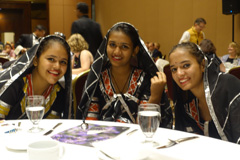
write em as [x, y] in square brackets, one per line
[149, 117]
[35, 107]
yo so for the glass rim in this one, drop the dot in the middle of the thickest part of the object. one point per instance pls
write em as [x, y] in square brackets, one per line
[149, 104]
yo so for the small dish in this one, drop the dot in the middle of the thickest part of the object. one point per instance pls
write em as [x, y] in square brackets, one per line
[16, 142]
[20, 141]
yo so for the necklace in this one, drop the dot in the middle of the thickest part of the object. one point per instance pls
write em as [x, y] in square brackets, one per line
[120, 91]
[30, 90]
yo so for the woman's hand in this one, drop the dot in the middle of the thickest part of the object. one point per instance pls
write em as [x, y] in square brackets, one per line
[157, 86]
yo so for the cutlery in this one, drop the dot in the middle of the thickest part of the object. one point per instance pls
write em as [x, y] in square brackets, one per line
[19, 124]
[107, 155]
[174, 142]
[131, 132]
[50, 131]
[18, 127]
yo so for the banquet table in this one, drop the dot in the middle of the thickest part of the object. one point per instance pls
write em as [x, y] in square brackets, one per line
[199, 148]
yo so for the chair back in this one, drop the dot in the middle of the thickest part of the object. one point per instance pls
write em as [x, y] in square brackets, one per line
[167, 71]
[78, 85]
[235, 71]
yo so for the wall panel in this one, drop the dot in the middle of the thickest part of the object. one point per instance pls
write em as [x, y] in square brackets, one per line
[62, 13]
[165, 21]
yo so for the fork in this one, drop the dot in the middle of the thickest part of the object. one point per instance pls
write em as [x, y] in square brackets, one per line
[174, 142]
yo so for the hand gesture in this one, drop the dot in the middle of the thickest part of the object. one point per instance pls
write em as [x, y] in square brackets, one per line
[158, 83]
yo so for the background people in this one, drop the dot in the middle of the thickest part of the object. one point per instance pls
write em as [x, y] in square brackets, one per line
[151, 48]
[208, 47]
[195, 33]
[88, 28]
[233, 55]
[206, 100]
[117, 86]
[37, 73]
[82, 58]
[9, 50]
[28, 40]
[156, 52]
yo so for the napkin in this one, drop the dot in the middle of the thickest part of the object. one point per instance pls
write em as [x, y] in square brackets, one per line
[119, 149]
[125, 148]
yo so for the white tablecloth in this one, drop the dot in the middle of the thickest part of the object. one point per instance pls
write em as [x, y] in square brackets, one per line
[200, 148]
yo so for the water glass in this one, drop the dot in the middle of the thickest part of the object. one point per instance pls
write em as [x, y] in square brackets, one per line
[149, 118]
[35, 107]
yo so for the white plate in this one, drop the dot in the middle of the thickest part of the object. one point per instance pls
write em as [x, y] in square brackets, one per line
[16, 142]
[20, 141]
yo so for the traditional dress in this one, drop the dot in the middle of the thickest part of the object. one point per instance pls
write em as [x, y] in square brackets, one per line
[101, 102]
[222, 92]
[16, 85]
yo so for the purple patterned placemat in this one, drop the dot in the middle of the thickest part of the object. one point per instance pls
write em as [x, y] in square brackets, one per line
[95, 133]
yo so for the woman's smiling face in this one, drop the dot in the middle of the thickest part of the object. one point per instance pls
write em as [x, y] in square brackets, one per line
[52, 63]
[120, 49]
[186, 71]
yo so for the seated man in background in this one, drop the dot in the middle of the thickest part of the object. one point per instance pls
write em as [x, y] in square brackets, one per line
[156, 52]
[28, 40]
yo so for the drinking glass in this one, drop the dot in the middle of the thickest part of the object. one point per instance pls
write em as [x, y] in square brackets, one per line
[149, 117]
[35, 107]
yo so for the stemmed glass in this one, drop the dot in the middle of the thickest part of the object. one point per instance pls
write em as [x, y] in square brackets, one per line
[35, 107]
[149, 117]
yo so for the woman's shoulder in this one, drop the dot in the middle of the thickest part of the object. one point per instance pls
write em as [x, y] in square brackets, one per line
[229, 80]
[225, 57]
[19, 81]
[86, 52]
[15, 89]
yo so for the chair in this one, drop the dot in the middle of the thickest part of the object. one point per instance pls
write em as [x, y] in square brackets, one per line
[78, 85]
[167, 71]
[235, 71]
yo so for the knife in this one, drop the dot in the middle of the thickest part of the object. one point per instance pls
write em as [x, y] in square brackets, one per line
[50, 131]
